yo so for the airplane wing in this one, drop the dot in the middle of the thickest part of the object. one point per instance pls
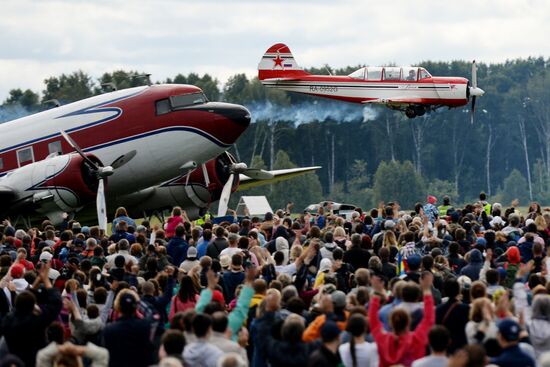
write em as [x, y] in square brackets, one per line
[278, 175]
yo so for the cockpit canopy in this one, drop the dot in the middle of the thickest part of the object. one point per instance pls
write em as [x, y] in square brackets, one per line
[179, 102]
[378, 73]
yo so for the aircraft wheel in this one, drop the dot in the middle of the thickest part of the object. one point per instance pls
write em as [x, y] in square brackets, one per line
[420, 110]
[410, 112]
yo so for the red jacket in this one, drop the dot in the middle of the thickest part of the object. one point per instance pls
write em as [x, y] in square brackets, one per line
[171, 225]
[406, 348]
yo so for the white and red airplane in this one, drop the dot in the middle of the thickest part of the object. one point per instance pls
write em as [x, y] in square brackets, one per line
[410, 89]
[161, 145]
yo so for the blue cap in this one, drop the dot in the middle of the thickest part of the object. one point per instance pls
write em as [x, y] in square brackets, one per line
[413, 261]
[481, 242]
[509, 329]
[330, 331]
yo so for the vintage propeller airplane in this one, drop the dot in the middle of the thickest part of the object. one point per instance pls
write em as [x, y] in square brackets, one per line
[167, 145]
[410, 89]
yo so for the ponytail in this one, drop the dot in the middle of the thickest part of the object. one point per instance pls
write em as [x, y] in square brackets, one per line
[352, 351]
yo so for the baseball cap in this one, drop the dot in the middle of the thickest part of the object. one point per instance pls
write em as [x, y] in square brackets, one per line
[17, 271]
[192, 252]
[225, 261]
[45, 256]
[509, 329]
[481, 242]
[414, 260]
[330, 331]
[338, 299]
[217, 296]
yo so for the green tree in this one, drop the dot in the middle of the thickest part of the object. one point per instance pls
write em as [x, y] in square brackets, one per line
[440, 188]
[302, 190]
[121, 79]
[399, 182]
[27, 99]
[68, 87]
[236, 89]
[208, 84]
[515, 187]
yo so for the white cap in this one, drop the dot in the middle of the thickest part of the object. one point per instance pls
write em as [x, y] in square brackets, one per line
[46, 256]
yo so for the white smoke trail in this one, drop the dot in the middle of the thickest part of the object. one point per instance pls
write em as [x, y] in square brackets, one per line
[12, 112]
[306, 112]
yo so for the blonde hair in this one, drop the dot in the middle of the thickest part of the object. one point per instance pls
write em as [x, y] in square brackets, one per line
[339, 232]
[389, 239]
[541, 223]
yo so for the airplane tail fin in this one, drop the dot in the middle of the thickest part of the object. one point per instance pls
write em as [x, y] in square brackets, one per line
[278, 63]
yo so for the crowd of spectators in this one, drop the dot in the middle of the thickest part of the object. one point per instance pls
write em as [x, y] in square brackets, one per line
[437, 286]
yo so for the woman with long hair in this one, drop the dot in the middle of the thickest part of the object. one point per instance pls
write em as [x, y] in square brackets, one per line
[358, 352]
[122, 215]
[186, 298]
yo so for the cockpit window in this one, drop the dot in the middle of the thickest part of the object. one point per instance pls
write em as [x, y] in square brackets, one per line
[173, 103]
[423, 74]
[186, 100]
[162, 106]
[358, 74]
[409, 74]
[392, 73]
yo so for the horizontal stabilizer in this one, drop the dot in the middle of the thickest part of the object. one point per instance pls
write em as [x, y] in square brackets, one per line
[278, 175]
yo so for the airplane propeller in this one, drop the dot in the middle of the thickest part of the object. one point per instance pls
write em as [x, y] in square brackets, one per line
[236, 169]
[102, 172]
[474, 91]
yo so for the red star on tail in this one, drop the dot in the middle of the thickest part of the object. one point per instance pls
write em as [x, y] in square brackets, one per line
[278, 61]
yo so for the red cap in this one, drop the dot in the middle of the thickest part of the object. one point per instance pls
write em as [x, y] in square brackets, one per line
[218, 297]
[432, 199]
[17, 271]
[513, 255]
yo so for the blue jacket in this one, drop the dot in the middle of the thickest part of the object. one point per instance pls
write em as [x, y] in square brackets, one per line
[231, 280]
[513, 357]
[177, 249]
[473, 269]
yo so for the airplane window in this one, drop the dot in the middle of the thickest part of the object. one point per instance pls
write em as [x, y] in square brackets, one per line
[55, 147]
[1, 163]
[25, 156]
[424, 74]
[409, 74]
[358, 74]
[374, 73]
[186, 100]
[392, 73]
[162, 106]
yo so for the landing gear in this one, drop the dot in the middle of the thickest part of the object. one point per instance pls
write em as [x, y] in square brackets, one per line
[410, 112]
[413, 111]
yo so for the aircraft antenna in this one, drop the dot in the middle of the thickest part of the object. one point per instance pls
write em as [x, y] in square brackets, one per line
[110, 85]
[328, 69]
[55, 102]
[147, 78]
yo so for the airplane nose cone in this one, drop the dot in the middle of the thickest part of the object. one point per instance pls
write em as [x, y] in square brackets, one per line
[234, 112]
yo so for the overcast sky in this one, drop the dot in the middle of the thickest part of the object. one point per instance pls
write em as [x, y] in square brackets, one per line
[164, 37]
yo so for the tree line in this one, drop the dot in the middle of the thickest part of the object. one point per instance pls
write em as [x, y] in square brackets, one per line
[370, 154]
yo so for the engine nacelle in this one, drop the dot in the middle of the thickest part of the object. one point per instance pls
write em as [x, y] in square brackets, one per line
[193, 192]
[57, 184]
